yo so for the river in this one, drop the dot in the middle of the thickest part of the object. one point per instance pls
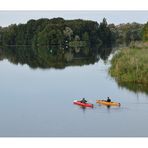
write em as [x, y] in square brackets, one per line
[37, 102]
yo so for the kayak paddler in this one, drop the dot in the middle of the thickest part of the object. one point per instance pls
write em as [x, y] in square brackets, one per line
[108, 99]
[83, 100]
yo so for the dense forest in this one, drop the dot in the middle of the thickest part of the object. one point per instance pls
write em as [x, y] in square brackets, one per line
[44, 42]
[57, 31]
[48, 43]
[127, 33]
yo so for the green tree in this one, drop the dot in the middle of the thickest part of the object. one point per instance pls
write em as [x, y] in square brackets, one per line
[68, 32]
[105, 33]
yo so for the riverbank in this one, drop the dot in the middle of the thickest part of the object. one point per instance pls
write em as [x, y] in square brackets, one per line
[130, 65]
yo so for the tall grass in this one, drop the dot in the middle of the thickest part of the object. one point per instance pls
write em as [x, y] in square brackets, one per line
[130, 65]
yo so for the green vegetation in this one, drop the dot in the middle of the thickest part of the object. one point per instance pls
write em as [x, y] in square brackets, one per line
[126, 33]
[145, 32]
[43, 58]
[134, 87]
[57, 31]
[130, 65]
[57, 43]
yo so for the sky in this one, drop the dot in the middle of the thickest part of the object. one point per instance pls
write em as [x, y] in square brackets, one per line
[116, 17]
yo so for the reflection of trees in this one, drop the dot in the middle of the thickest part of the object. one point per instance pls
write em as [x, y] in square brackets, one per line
[68, 56]
[134, 87]
[46, 57]
[42, 57]
[104, 53]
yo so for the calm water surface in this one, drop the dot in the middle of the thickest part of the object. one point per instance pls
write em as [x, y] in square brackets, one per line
[37, 102]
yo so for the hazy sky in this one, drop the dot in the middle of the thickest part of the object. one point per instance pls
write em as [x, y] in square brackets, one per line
[116, 17]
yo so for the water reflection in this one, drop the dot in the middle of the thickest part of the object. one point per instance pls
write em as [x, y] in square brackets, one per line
[134, 87]
[109, 106]
[53, 56]
[84, 109]
[59, 57]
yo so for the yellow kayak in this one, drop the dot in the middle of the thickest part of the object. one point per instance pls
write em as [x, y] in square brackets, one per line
[103, 102]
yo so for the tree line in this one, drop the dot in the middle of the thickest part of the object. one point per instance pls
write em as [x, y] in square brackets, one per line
[79, 36]
[57, 31]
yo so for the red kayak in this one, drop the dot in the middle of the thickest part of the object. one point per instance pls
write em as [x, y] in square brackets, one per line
[82, 104]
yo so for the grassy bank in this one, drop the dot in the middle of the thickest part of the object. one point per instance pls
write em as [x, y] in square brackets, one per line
[130, 65]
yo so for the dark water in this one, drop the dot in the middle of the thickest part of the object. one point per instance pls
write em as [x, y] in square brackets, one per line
[39, 102]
